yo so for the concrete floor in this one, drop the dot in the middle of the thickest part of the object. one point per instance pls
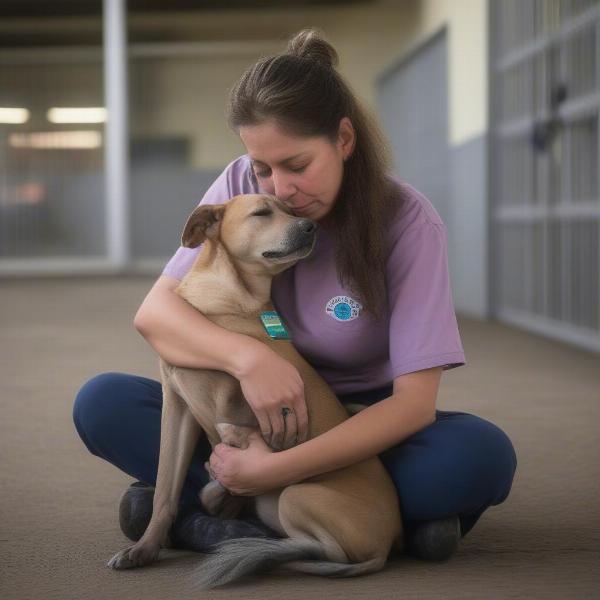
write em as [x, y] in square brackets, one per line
[59, 504]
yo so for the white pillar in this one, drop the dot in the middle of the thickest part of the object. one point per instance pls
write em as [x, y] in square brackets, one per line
[116, 138]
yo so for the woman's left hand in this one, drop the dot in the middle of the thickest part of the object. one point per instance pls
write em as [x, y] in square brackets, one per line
[245, 472]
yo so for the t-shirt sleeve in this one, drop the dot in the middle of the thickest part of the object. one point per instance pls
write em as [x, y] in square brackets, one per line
[235, 179]
[423, 328]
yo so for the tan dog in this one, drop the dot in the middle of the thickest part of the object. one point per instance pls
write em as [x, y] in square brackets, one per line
[340, 523]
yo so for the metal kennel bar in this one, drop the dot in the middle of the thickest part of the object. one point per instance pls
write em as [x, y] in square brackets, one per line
[544, 167]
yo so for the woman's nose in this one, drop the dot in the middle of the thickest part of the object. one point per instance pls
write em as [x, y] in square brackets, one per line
[283, 186]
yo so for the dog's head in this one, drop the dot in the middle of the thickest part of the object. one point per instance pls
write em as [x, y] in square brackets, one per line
[254, 228]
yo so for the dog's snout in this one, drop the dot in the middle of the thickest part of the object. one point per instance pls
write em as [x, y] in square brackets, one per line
[300, 235]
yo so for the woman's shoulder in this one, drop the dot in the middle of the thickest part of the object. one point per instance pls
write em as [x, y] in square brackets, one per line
[413, 207]
[416, 234]
[240, 176]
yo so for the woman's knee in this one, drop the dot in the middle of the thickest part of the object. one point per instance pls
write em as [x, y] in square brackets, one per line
[493, 458]
[507, 459]
[459, 464]
[97, 402]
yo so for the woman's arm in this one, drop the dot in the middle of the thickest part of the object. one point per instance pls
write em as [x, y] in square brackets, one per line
[386, 423]
[368, 433]
[184, 337]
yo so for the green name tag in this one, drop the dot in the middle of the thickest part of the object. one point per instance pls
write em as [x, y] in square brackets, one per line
[273, 325]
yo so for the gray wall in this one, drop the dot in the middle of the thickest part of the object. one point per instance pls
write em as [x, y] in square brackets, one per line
[413, 97]
[468, 246]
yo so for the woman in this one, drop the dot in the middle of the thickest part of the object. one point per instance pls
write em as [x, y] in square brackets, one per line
[371, 309]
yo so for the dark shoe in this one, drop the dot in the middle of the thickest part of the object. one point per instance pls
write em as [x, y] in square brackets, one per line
[200, 532]
[433, 540]
[135, 510]
[193, 529]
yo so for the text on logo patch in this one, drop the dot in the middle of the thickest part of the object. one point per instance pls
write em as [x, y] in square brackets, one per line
[343, 308]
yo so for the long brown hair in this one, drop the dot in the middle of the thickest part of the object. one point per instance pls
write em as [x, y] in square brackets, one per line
[304, 94]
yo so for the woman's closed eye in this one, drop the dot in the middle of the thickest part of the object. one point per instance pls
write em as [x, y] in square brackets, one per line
[267, 173]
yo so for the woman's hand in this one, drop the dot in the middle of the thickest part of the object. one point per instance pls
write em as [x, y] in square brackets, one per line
[270, 383]
[245, 472]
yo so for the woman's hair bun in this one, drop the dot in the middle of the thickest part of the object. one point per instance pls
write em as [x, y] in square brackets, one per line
[309, 43]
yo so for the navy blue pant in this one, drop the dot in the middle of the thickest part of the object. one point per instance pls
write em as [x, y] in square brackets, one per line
[459, 465]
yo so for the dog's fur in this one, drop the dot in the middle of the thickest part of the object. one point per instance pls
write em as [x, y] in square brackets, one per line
[340, 523]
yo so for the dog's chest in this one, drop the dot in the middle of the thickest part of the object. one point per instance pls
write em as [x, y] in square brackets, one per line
[247, 325]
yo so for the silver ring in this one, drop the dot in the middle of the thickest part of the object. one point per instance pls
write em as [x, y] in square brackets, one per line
[285, 411]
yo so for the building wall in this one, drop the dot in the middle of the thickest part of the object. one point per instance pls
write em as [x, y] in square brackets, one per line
[369, 38]
[183, 96]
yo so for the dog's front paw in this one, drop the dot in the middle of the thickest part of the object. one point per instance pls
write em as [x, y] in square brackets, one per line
[138, 555]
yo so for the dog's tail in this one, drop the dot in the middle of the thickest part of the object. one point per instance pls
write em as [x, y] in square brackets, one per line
[235, 558]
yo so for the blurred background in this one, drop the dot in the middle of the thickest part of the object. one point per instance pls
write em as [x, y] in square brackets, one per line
[112, 127]
[491, 108]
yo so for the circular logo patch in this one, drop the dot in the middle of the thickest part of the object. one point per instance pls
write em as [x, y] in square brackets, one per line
[343, 308]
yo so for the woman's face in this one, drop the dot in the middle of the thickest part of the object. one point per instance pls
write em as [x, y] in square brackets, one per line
[304, 172]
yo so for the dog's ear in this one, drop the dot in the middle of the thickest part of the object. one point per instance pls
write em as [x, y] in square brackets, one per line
[203, 223]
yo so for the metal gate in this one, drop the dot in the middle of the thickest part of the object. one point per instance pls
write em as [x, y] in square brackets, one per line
[544, 167]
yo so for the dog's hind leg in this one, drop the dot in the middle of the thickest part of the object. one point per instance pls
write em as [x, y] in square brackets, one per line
[216, 499]
[178, 438]
[324, 513]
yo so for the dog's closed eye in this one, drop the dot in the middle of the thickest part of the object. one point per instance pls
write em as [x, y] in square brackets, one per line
[263, 212]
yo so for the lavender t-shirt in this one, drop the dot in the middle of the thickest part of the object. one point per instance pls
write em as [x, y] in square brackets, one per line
[351, 350]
